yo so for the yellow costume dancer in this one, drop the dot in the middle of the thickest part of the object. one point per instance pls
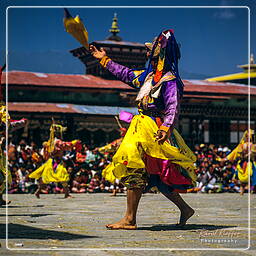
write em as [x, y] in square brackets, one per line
[152, 152]
[111, 148]
[242, 147]
[245, 168]
[50, 174]
[14, 124]
[54, 169]
[4, 173]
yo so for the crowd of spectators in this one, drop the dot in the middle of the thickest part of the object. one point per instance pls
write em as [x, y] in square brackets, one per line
[85, 169]
[215, 175]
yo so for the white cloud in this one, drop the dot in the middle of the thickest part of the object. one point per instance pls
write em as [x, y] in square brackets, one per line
[224, 13]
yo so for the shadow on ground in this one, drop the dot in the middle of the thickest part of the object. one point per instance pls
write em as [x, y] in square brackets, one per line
[21, 206]
[27, 232]
[187, 227]
[28, 215]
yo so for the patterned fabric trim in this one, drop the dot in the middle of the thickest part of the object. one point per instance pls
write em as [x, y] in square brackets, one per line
[104, 61]
[137, 178]
[136, 81]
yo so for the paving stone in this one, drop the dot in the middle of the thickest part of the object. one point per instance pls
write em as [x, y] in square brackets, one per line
[76, 226]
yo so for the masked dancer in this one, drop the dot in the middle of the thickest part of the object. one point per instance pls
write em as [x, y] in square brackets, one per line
[152, 152]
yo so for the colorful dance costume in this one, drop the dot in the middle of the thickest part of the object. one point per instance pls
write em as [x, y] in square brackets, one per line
[169, 166]
[4, 173]
[111, 147]
[54, 170]
[245, 169]
[5, 120]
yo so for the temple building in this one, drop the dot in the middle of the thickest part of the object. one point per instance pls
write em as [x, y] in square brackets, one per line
[211, 112]
[242, 77]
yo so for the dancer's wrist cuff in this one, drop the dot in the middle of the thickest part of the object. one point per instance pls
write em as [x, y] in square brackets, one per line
[164, 128]
[104, 61]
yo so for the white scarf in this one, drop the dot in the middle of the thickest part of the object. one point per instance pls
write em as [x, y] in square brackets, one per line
[147, 87]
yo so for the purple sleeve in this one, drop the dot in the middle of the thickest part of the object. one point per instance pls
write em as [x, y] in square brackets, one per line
[171, 103]
[122, 73]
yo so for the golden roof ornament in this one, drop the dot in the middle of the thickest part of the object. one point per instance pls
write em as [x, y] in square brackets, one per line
[249, 71]
[252, 59]
[114, 28]
[252, 65]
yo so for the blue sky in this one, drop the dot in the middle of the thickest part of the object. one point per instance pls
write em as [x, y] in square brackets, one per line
[213, 40]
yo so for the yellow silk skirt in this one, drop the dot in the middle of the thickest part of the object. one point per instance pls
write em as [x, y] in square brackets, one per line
[5, 174]
[48, 174]
[244, 173]
[140, 140]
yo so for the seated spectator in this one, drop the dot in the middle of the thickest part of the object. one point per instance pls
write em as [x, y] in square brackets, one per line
[79, 184]
[94, 185]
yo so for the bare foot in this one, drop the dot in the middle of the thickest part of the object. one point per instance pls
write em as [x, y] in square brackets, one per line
[68, 196]
[185, 215]
[122, 224]
[4, 203]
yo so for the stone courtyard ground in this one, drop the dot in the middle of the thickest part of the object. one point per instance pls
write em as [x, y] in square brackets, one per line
[76, 226]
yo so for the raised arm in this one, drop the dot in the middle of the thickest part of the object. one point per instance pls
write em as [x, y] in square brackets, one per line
[121, 72]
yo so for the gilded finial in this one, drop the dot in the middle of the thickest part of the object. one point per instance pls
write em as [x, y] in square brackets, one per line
[252, 59]
[114, 28]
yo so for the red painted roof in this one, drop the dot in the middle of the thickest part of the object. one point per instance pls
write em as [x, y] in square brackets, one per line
[67, 108]
[34, 79]
[41, 107]
[61, 80]
[204, 86]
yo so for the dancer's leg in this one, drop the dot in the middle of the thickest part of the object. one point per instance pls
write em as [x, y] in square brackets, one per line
[2, 188]
[135, 184]
[39, 189]
[129, 220]
[242, 188]
[66, 190]
[185, 210]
